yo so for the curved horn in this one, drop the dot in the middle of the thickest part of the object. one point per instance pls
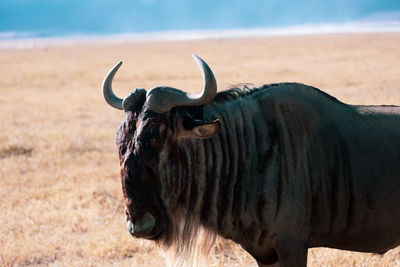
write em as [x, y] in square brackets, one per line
[108, 93]
[163, 99]
[210, 84]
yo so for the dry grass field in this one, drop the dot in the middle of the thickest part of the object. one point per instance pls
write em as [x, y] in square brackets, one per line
[61, 199]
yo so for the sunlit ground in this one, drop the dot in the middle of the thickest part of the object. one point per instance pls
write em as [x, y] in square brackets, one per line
[61, 200]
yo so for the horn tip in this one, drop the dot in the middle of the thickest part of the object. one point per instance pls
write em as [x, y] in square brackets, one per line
[116, 67]
[200, 62]
[196, 57]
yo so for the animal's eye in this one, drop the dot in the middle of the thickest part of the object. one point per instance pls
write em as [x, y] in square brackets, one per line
[123, 150]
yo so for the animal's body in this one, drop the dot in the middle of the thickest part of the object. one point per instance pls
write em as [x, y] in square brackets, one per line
[277, 169]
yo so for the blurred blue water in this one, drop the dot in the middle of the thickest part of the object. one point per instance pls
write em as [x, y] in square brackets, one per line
[45, 18]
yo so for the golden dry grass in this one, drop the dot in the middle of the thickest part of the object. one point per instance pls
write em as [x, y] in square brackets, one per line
[61, 202]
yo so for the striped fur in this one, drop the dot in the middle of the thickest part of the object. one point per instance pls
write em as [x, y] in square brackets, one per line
[231, 184]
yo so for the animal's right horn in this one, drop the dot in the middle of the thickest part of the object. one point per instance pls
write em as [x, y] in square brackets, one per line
[108, 93]
[163, 99]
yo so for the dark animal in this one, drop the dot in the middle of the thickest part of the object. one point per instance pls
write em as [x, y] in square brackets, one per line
[278, 169]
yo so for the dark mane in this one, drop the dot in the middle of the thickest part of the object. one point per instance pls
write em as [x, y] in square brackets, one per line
[239, 91]
[242, 90]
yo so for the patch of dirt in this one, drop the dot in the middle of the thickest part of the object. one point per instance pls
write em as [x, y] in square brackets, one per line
[15, 151]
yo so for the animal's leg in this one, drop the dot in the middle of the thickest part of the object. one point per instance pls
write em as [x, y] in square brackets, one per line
[276, 264]
[292, 255]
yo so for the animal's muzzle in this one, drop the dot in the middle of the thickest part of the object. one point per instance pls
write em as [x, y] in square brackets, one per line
[141, 227]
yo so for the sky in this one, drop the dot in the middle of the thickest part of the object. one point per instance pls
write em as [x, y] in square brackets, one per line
[63, 17]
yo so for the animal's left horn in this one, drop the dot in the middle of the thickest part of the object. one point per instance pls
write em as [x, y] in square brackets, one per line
[210, 85]
[108, 93]
[163, 99]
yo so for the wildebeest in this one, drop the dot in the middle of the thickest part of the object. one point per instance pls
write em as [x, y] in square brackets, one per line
[277, 169]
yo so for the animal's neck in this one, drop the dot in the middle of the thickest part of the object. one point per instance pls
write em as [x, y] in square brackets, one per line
[218, 180]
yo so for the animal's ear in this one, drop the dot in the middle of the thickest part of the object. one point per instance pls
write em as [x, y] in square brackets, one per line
[201, 129]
